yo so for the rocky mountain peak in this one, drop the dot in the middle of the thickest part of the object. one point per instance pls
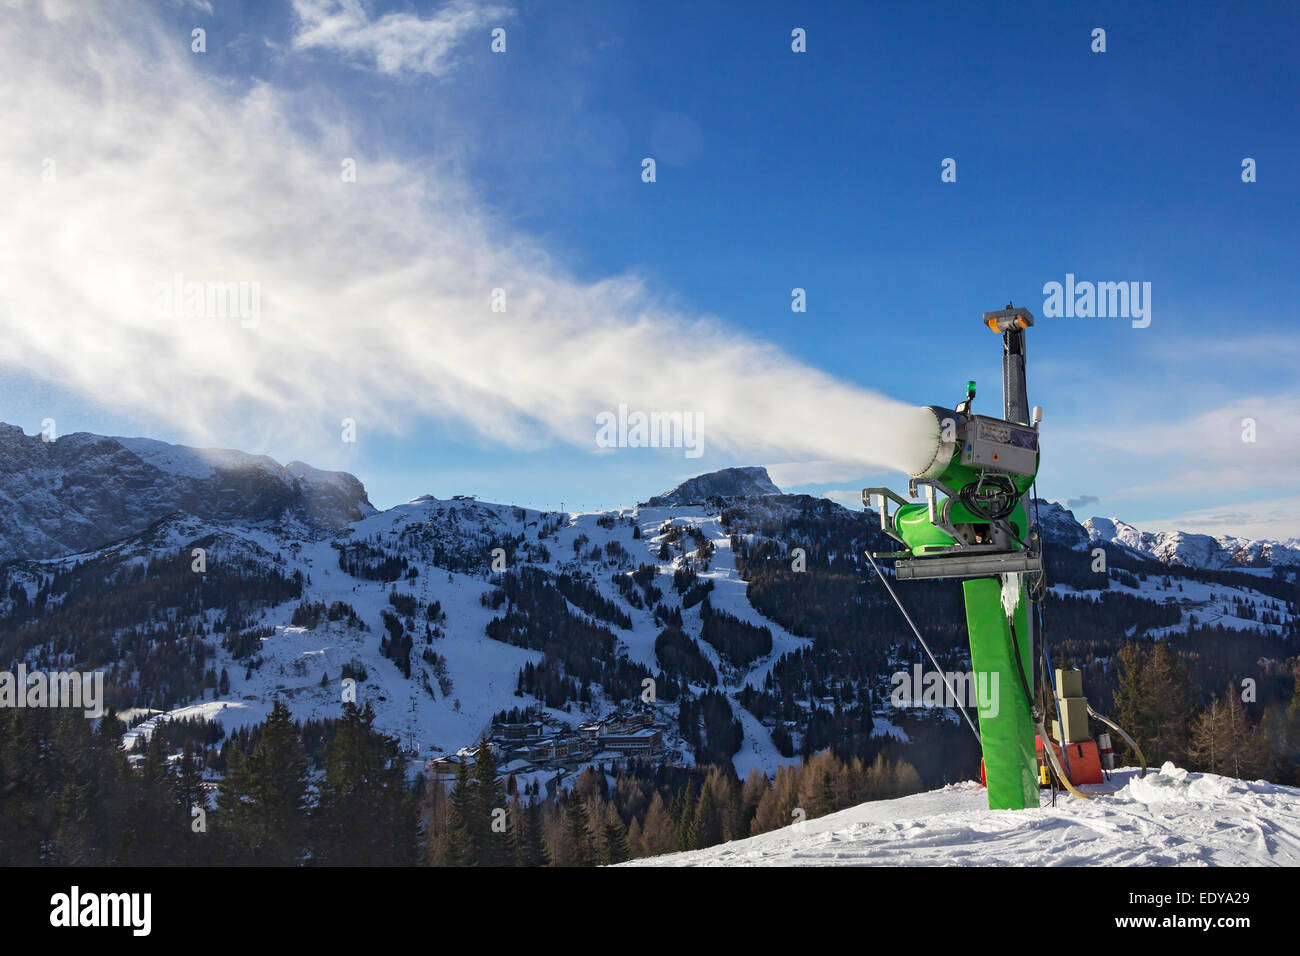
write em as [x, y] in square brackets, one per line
[746, 482]
[83, 491]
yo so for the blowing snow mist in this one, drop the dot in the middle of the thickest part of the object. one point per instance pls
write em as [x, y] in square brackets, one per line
[371, 298]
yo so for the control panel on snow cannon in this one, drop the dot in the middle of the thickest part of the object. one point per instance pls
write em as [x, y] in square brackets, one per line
[1000, 446]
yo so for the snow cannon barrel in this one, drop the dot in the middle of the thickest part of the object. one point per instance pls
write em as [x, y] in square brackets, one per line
[942, 426]
[982, 465]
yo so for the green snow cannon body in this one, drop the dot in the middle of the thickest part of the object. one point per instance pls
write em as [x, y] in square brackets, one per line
[974, 525]
[983, 466]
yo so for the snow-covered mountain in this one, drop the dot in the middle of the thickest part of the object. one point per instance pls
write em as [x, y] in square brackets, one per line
[451, 612]
[88, 515]
[1167, 818]
[1061, 528]
[728, 483]
[1193, 550]
[83, 491]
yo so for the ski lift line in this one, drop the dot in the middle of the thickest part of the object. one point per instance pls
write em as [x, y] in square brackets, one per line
[942, 676]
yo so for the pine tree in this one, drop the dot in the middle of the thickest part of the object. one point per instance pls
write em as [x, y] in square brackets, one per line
[490, 804]
[1283, 735]
[464, 840]
[614, 846]
[530, 843]
[686, 817]
[705, 828]
[190, 792]
[1154, 701]
[365, 814]
[577, 833]
[734, 823]
[262, 809]
[161, 823]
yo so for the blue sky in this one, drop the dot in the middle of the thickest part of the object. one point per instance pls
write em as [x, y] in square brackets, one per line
[776, 170]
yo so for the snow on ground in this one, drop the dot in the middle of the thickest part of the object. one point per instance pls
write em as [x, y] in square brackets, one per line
[1210, 604]
[230, 714]
[729, 594]
[1169, 818]
[757, 752]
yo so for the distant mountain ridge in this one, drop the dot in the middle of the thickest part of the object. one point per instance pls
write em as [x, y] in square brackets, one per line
[1194, 550]
[82, 491]
[1061, 528]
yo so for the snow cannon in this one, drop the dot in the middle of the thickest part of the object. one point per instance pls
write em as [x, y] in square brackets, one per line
[973, 524]
[977, 470]
[973, 488]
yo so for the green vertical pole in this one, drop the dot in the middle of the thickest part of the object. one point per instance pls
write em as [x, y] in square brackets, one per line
[1006, 728]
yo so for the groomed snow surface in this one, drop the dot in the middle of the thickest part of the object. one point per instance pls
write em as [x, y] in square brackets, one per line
[1169, 818]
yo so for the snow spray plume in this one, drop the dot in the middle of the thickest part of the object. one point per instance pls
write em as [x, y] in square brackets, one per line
[153, 211]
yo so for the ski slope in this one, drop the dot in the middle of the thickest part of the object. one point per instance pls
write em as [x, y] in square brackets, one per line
[1169, 818]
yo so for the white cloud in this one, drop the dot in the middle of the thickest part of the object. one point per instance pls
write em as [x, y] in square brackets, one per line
[1248, 442]
[396, 42]
[1271, 519]
[202, 6]
[374, 295]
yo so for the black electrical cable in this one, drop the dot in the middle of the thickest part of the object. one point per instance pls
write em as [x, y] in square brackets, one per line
[1006, 486]
[1034, 710]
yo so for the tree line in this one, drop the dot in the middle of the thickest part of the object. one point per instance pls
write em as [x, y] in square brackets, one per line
[69, 796]
[482, 820]
[1157, 703]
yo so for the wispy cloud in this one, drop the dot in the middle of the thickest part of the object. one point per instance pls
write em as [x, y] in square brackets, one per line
[1248, 442]
[202, 6]
[1269, 519]
[128, 168]
[395, 42]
